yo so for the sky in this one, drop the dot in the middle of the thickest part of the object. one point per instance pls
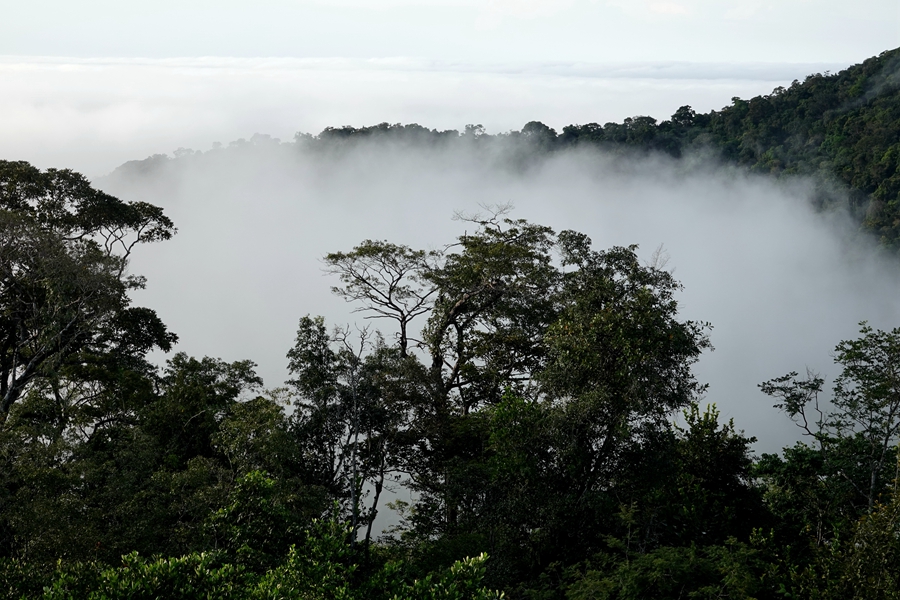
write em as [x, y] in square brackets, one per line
[468, 30]
[89, 84]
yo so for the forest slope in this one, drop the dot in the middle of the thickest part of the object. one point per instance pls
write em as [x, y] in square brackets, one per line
[843, 129]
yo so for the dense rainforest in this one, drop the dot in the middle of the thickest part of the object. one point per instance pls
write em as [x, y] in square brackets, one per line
[523, 385]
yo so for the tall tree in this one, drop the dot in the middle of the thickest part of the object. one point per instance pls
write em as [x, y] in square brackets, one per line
[858, 435]
[590, 339]
[64, 250]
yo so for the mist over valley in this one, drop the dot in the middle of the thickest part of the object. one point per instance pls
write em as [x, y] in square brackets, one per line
[457, 300]
[780, 281]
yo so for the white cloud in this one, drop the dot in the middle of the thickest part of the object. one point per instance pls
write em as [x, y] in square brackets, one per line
[744, 9]
[388, 4]
[495, 12]
[527, 9]
[653, 8]
[668, 8]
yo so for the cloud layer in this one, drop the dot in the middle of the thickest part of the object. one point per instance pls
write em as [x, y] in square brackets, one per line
[93, 114]
[491, 30]
[780, 283]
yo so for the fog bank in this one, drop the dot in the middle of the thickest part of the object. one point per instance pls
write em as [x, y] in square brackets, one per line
[91, 114]
[780, 283]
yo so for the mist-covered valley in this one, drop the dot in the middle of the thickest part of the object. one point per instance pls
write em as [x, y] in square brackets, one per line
[780, 281]
[569, 391]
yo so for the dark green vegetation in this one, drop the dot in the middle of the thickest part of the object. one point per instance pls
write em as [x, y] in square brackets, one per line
[525, 389]
[526, 397]
[842, 129]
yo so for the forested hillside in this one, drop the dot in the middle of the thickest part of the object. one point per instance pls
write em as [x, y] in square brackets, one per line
[525, 385]
[843, 129]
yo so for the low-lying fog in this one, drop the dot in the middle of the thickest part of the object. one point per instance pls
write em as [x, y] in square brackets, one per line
[92, 114]
[781, 283]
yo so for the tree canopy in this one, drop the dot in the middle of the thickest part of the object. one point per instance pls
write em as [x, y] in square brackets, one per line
[64, 250]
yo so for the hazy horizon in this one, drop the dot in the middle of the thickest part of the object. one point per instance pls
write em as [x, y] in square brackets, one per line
[93, 114]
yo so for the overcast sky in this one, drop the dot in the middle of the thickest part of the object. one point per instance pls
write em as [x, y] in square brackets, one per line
[90, 84]
[482, 30]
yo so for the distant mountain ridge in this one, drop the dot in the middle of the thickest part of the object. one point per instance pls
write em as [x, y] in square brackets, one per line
[843, 129]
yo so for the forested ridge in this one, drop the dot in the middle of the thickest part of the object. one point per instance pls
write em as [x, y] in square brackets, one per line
[841, 129]
[522, 383]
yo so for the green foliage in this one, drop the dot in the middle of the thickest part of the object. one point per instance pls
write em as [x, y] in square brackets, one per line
[834, 507]
[616, 348]
[259, 521]
[531, 415]
[864, 564]
[190, 577]
[732, 571]
[63, 289]
[831, 484]
[590, 353]
[198, 394]
[687, 485]
[168, 455]
[23, 579]
[462, 581]
[322, 567]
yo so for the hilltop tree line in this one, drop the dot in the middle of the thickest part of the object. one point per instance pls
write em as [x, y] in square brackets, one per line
[521, 383]
[841, 129]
